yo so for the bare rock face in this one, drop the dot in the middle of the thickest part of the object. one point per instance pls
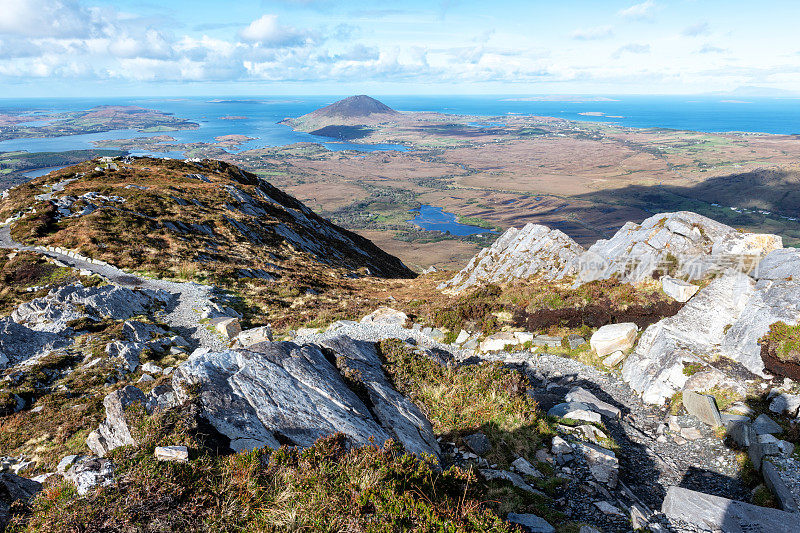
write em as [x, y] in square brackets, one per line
[14, 488]
[683, 244]
[655, 368]
[534, 250]
[114, 431]
[287, 393]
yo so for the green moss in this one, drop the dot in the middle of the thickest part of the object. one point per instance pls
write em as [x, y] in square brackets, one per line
[785, 339]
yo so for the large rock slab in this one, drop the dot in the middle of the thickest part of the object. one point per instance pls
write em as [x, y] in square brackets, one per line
[581, 395]
[655, 368]
[613, 337]
[115, 430]
[287, 393]
[682, 244]
[19, 343]
[728, 516]
[534, 250]
[70, 302]
[14, 488]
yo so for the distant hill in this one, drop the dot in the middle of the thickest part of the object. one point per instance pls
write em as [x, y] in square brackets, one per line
[354, 106]
[360, 110]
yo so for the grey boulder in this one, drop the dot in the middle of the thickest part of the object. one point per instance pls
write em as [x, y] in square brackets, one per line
[283, 392]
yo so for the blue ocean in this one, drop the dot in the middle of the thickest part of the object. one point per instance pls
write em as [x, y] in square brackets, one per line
[258, 117]
[709, 114]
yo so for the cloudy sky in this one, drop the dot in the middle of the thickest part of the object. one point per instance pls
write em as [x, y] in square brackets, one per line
[177, 47]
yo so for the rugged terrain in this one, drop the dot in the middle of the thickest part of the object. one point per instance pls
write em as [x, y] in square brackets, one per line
[186, 347]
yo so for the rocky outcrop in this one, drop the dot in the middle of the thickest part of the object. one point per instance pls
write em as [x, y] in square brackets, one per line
[533, 250]
[71, 302]
[14, 488]
[115, 430]
[693, 336]
[286, 393]
[727, 318]
[682, 244]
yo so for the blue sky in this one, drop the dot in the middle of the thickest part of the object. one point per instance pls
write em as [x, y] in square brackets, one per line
[104, 47]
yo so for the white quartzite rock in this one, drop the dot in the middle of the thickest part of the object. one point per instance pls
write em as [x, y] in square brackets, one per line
[385, 315]
[519, 254]
[229, 328]
[286, 392]
[114, 430]
[612, 337]
[678, 289]
[179, 454]
[689, 244]
[655, 368]
[498, 342]
[253, 336]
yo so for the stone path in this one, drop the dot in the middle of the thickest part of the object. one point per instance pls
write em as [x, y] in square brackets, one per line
[183, 315]
[652, 457]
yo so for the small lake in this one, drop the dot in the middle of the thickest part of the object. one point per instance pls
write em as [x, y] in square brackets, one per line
[41, 171]
[435, 219]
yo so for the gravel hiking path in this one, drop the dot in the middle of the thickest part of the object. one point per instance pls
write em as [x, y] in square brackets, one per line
[183, 313]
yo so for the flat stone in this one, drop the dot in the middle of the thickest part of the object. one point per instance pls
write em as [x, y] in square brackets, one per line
[773, 481]
[526, 468]
[678, 289]
[229, 328]
[252, 336]
[463, 337]
[478, 443]
[386, 315]
[691, 433]
[531, 523]
[575, 411]
[559, 446]
[603, 463]
[575, 341]
[785, 404]
[721, 514]
[764, 424]
[499, 342]
[547, 340]
[581, 395]
[614, 359]
[608, 509]
[613, 337]
[151, 368]
[179, 454]
[702, 406]
[524, 336]
[491, 474]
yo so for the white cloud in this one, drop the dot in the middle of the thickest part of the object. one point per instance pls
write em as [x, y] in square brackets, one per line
[46, 18]
[593, 34]
[695, 30]
[711, 49]
[632, 48]
[639, 11]
[266, 31]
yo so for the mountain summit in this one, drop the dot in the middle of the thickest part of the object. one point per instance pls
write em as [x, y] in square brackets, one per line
[354, 106]
[348, 119]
